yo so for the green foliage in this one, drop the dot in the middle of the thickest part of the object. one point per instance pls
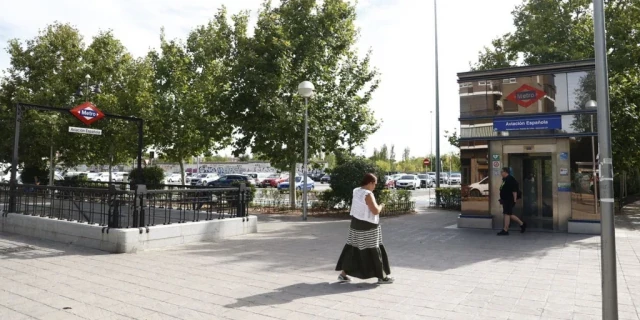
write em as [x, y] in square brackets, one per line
[449, 197]
[296, 41]
[48, 70]
[251, 187]
[550, 31]
[348, 175]
[152, 176]
[192, 84]
[453, 138]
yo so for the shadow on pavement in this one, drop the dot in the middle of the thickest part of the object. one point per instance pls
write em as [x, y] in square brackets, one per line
[427, 241]
[298, 291]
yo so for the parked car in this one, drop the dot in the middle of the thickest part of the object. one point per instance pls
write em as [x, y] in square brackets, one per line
[325, 179]
[409, 181]
[202, 179]
[257, 177]
[229, 180]
[426, 181]
[444, 177]
[455, 178]
[174, 177]
[309, 185]
[480, 188]
[271, 181]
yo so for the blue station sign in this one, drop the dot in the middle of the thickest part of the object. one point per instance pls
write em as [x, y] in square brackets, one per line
[528, 123]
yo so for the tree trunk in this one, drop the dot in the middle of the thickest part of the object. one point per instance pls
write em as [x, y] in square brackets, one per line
[182, 174]
[110, 168]
[292, 186]
[52, 167]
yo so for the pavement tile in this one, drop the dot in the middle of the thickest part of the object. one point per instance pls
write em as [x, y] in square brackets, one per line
[286, 272]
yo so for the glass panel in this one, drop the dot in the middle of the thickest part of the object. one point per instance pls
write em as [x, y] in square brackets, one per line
[583, 184]
[547, 188]
[530, 187]
[475, 181]
[560, 92]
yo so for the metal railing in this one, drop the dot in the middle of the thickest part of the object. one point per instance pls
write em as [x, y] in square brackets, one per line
[116, 208]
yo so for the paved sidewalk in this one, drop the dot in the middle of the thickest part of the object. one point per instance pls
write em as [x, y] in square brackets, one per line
[286, 272]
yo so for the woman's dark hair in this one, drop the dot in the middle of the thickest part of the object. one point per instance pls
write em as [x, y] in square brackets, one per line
[368, 178]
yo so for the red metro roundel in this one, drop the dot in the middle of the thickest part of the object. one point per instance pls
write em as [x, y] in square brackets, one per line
[87, 113]
[526, 95]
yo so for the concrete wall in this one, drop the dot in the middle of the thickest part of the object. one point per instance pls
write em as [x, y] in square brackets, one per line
[126, 240]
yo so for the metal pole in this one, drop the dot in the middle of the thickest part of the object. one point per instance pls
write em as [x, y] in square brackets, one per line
[607, 237]
[435, 14]
[14, 161]
[593, 174]
[431, 142]
[304, 168]
[140, 133]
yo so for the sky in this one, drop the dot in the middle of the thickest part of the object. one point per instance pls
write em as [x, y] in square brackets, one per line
[400, 34]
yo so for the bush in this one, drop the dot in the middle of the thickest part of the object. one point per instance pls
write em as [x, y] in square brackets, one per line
[250, 186]
[347, 176]
[152, 177]
[449, 197]
[31, 173]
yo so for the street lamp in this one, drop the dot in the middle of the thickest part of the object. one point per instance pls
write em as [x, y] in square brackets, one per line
[608, 231]
[305, 90]
[592, 104]
[86, 89]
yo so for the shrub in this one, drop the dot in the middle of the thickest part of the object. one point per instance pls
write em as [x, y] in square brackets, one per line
[347, 176]
[31, 173]
[151, 176]
[250, 186]
[449, 197]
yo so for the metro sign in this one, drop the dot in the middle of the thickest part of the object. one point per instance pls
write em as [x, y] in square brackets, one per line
[87, 113]
[526, 95]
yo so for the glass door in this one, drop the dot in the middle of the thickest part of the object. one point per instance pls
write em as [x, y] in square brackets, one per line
[537, 192]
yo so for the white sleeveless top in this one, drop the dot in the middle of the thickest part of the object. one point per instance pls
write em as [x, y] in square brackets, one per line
[359, 208]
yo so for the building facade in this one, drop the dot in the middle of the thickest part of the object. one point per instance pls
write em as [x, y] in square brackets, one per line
[535, 121]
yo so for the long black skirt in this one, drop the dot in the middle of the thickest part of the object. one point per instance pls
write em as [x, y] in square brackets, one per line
[364, 256]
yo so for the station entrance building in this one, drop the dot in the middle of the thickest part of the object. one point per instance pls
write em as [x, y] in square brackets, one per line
[535, 120]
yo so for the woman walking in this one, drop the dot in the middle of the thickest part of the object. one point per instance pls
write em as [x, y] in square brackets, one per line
[364, 256]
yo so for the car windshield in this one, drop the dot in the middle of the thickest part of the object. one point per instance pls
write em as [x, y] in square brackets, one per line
[298, 179]
[204, 175]
[407, 178]
[457, 175]
[422, 176]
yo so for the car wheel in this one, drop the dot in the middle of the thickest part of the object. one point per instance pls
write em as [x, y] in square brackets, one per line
[475, 193]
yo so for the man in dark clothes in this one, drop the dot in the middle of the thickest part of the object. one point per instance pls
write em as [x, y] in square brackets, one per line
[508, 197]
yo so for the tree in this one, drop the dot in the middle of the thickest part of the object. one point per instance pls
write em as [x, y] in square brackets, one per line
[191, 87]
[48, 70]
[554, 31]
[392, 157]
[296, 41]
[406, 154]
[347, 176]
[452, 138]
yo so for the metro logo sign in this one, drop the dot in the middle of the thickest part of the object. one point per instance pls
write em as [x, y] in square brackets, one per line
[526, 95]
[87, 113]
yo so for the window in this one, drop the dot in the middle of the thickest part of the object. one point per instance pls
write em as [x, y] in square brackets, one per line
[466, 85]
[511, 80]
[482, 83]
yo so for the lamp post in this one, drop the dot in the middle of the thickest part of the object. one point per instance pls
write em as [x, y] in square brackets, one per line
[86, 90]
[592, 104]
[608, 233]
[305, 90]
[438, 165]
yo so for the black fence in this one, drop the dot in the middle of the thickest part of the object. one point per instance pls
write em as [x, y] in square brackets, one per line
[117, 208]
